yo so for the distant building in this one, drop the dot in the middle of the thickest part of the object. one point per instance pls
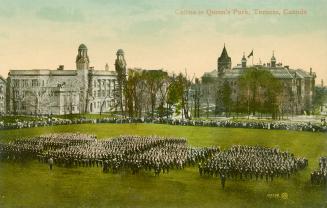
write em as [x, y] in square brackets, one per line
[298, 85]
[322, 90]
[224, 62]
[61, 91]
[2, 95]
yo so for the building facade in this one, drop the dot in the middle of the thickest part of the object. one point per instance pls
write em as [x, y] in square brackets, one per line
[3, 84]
[61, 91]
[298, 85]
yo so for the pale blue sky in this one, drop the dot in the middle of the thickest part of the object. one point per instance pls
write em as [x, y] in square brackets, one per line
[44, 34]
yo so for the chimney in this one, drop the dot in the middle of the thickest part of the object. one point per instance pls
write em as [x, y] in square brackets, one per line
[106, 67]
[61, 67]
[310, 70]
[322, 83]
[91, 67]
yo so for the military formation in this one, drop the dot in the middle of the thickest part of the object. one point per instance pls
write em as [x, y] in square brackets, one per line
[252, 162]
[39, 147]
[319, 177]
[159, 155]
[131, 153]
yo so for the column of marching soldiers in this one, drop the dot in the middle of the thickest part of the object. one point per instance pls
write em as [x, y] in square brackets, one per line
[158, 154]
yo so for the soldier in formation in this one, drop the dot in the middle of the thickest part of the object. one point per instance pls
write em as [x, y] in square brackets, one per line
[252, 162]
[155, 154]
[319, 177]
[134, 153]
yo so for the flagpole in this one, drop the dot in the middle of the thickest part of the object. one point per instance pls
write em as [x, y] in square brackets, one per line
[252, 56]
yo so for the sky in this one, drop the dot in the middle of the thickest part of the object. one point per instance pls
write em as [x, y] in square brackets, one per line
[40, 34]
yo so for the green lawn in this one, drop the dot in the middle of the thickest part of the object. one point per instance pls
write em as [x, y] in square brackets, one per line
[33, 185]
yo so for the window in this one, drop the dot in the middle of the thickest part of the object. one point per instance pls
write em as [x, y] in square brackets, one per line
[34, 83]
[15, 83]
[23, 106]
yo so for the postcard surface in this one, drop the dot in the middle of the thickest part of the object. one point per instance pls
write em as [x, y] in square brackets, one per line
[213, 103]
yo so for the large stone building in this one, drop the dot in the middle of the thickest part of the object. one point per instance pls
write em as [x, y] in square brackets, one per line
[2, 95]
[298, 85]
[61, 91]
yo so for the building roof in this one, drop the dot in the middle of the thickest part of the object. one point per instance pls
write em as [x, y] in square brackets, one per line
[120, 52]
[243, 58]
[278, 72]
[303, 74]
[234, 73]
[82, 47]
[3, 79]
[211, 74]
[42, 72]
[281, 73]
[102, 73]
[224, 55]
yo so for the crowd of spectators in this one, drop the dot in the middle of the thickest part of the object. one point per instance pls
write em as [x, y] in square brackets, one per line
[254, 124]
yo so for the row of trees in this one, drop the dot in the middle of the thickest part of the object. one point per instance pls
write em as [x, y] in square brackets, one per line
[155, 93]
[262, 91]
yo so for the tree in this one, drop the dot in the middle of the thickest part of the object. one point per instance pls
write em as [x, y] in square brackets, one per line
[226, 97]
[197, 97]
[163, 94]
[319, 99]
[210, 92]
[178, 93]
[37, 99]
[120, 67]
[134, 92]
[154, 80]
[260, 90]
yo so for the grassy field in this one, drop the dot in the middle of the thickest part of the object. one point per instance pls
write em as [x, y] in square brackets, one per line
[33, 185]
